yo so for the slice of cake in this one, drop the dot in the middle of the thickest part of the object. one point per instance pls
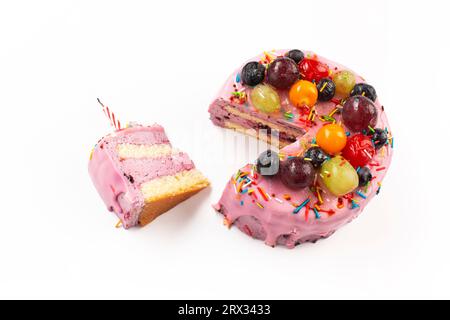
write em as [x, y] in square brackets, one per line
[140, 176]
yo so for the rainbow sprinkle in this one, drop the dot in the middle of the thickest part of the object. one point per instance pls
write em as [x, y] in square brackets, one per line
[319, 196]
[379, 188]
[239, 188]
[287, 197]
[359, 193]
[333, 112]
[263, 193]
[354, 204]
[278, 200]
[289, 115]
[316, 213]
[311, 113]
[304, 203]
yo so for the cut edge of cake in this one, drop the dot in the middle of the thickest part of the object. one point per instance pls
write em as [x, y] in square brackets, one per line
[162, 194]
[261, 126]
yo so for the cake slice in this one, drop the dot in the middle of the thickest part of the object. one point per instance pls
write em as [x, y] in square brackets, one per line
[139, 175]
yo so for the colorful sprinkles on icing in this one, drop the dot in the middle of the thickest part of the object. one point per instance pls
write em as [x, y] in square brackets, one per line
[335, 185]
[297, 210]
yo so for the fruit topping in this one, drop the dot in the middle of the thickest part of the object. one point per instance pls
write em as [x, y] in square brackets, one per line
[303, 93]
[296, 55]
[268, 163]
[331, 138]
[339, 176]
[379, 138]
[344, 81]
[313, 70]
[359, 113]
[265, 98]
[365, 90]
[316, 155]
[359, 150]
[365, 176]
[253, 73]
[282, 73]
[297, 173]
[326, 89]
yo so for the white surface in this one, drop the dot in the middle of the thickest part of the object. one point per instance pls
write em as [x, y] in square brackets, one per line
[163, 62]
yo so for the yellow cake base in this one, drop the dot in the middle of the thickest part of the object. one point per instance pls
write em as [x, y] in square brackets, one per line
[164, 193]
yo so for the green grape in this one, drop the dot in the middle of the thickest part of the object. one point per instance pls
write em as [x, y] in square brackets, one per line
[265, 98]
[339, 176]
[345, 82]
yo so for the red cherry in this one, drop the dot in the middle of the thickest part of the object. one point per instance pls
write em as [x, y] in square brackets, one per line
[359, 150]
[311, 69]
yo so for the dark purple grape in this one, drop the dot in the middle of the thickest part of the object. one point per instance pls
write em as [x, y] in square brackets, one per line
[326, 89]
[364, 89]
[359, 113]
[268, 163]
[253, 73]
[365, 176]
[317, 156]
[296, 173]
[282, 73]
[379, 138]
[296, 55]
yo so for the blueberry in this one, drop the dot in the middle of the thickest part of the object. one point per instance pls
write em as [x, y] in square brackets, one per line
[364, 89]
[379, 138]
[365, 176]
[317, 156]
[296, 55]
[326, 89]
[253, 73]
[268, 163]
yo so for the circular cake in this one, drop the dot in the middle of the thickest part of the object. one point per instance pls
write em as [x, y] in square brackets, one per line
[335, 146]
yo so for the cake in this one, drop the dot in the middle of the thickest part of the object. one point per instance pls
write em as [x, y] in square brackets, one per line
[335, 146]
[139, 175]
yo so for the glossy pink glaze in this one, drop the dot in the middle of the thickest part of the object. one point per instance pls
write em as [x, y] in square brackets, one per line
[276, 223]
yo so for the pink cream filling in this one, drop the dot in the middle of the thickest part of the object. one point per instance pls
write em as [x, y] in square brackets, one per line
[139, 171]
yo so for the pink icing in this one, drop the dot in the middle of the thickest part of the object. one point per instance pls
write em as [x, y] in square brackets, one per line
[276, 223]
[118, 181]
[107, 179]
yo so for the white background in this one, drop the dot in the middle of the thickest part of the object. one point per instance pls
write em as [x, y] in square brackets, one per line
[163, 61]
